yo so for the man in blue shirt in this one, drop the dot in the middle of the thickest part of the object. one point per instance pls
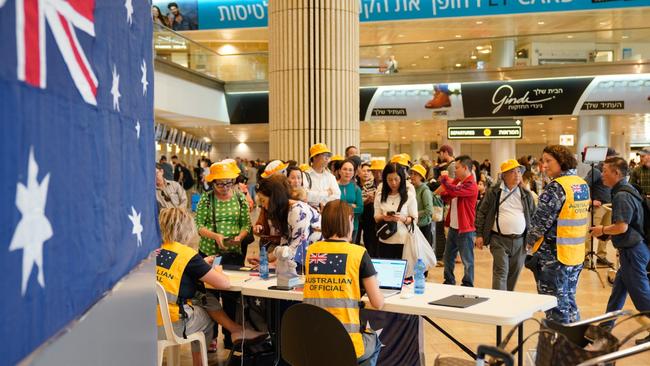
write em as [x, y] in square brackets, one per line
[626, 232]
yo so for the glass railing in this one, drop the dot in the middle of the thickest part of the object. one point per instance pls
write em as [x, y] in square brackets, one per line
[177, 48]
[524, 51]
[609, 46]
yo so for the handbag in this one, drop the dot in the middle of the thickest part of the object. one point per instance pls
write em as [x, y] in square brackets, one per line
[417, 247]
[386, 229]
[438, 208]
[567, 345]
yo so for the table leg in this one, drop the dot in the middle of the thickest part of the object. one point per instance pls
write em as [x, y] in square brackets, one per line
[456, 341]
[499, 330]
[520, 340]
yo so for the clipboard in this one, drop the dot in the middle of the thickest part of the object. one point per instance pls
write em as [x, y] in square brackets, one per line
[459, 301]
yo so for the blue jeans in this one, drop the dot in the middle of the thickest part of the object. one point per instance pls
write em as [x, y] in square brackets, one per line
[372, 345]
[463, 243]
[631, 277]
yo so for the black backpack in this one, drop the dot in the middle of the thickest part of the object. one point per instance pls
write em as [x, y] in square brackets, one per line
[645, 205]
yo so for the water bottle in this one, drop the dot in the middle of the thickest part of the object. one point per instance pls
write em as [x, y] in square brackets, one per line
[264, 264]
[419, 277]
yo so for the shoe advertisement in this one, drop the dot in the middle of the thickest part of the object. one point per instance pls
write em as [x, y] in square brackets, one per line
[598, 95]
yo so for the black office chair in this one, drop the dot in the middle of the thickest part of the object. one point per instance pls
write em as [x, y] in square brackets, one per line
[310, 336]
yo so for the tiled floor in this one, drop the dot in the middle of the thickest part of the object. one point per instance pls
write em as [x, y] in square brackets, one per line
[592, 298]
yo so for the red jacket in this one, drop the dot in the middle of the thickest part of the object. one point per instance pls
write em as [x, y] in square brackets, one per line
[467, 194]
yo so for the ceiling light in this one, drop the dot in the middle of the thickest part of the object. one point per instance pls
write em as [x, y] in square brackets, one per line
[540, 123]
[541, 22]
[403, 137]
[625, 37]
[378, 56]
[485, 51]
[426, 57]
[473, 57]
[569, 36]
[603, 23]
[542, 130]
[458, 65]
[478, 48]
[573, 118]
[479, 22]
[458, 36]
[389, 47]
[414, 65]
[400, 35]
[441, 47]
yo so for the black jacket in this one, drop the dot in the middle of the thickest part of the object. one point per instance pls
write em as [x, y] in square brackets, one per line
[487, 210]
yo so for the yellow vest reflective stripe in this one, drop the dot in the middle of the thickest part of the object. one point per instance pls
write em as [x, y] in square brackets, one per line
[170, 265]
[337, 291]
[573, 220]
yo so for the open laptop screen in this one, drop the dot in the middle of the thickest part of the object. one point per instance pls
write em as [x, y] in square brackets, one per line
[390, 272]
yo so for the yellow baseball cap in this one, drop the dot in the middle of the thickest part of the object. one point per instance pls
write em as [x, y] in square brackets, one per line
[274, 167]
[401, 159]
[337, 158]
[304, 167]
[233, 165]
[318, 149]
[221, 171]
[509, 165]
[420, 170]
[377, 164]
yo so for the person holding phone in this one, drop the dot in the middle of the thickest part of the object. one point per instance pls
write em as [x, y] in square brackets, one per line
[223, 216]
[394, 204]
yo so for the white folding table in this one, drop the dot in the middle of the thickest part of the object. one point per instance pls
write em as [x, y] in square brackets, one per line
[503, 308]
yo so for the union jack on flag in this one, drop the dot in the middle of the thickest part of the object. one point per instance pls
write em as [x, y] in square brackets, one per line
[317, 258]
[580, 192]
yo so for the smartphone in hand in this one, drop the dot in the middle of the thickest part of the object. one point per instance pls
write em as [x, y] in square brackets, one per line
[217, 261]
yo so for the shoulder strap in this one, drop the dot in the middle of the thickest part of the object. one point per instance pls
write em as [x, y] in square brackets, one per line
[499, 205]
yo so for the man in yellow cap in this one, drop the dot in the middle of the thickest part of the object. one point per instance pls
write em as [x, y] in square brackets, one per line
[501, 222]
[424, 200]
[322, 185]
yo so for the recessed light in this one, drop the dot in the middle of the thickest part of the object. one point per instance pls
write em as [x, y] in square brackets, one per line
[625, 37]
[389, 47]
[479, 22]
[541, 22]
[603, 23]
[485, 51]
[400, 35]
[378, 56]
[569, 36]
[441, 47]
[458, 65]
[426, 57]
[542, 130]
[403, 137]
[540, 123]
[414, 65]
[478, 48]
[458, 36]
[473, 57]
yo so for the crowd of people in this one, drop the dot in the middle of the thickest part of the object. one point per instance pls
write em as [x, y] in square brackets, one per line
[534, 213]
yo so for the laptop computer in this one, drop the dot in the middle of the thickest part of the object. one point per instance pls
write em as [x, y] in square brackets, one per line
[390, 275]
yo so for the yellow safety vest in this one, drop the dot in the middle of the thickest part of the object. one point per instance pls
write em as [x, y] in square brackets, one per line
[332, 283]
[572, 221]
[170, 265]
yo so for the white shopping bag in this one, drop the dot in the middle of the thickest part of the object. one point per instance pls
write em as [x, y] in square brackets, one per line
[416, 246]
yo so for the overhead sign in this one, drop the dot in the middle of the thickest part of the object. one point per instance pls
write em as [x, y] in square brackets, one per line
[567, 140]
[223, 14]
[484, 130]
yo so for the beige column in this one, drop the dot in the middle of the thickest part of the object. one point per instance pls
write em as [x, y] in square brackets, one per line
[313, 76]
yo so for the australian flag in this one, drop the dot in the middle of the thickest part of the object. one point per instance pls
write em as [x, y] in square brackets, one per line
[580, 192]
[77, 198]
[330, 264]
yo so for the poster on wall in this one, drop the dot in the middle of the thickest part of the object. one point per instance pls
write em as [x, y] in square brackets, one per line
[601, 95]
[179, 15]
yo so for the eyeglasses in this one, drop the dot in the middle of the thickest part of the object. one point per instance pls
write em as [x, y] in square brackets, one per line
[223, 184]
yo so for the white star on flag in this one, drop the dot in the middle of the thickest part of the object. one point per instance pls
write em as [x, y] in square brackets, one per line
[115, 90]
[137, 226]
[129, 11]
[137, 129]
[33, 229]
[2, 3]
[144, 81]
[258, 302]
[378, 331]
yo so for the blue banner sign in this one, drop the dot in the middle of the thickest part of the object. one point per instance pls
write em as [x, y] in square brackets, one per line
[224, 14]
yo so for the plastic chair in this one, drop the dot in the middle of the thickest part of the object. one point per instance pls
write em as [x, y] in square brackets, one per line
[312, 336]
[173, 341]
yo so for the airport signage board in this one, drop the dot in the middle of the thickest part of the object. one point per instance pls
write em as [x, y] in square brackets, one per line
[484, 129]
[224, 14]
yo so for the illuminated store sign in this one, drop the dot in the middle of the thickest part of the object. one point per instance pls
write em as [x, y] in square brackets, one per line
[484, 130]
[223, 14]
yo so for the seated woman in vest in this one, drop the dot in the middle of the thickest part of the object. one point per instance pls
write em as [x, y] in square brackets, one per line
[557, 233]
[357, 271]
[297, 222]
[180, 270]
